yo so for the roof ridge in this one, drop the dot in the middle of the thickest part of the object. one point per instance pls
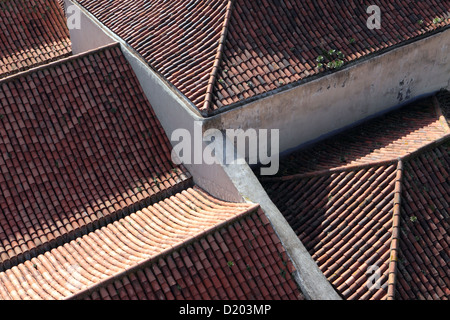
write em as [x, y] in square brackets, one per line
[330, 171]
[88, 290]
[431, 145]
[395, 240]
[40, 67]
[114, 217]
[218, 59]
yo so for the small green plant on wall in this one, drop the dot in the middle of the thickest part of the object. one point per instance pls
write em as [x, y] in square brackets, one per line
[329, 60]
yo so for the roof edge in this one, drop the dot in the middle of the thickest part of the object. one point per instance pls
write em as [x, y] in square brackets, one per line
[218, 59]
[321, 75]
[90, 289]
[98, 224]
[57, 62]
[330, 171]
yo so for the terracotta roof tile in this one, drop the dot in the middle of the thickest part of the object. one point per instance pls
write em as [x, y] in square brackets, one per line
[179, 39]
[372, 220]
[74, 159]
[87, 261]
[343, 221]
[93, 207]
[425, 243]
[235, 275]
[33, 32]
[245, 49]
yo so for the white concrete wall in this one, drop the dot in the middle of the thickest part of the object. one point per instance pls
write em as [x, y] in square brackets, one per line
[87, 37]
[308, 111]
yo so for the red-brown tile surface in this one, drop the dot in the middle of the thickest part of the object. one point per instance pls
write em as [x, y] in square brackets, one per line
[179, 39]
[33, 32]
[345, 221]
[424, 260]
[244, 260]
[443, 98]
[394, 216]
[257, 46]
[166, 227]
[79, 147]
[271, 44]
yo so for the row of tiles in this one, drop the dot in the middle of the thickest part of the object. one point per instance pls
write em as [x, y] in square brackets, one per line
[244, 261]
[73, 156]
[236, 50]
[34, 32]
[83, 265]
[179, 39]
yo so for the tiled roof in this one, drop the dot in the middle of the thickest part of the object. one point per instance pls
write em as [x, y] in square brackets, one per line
[244, 260]
[173, 234]
[220, 53]
[91, 201]
[384, 220]
[80, 146]
[33, 32]
[423, 271]
[178, 38]
[387, 137]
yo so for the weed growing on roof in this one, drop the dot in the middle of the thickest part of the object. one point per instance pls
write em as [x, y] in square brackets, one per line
[413, 219]
[230, 263]
[330, 59]
[155, 181]
[437, 20]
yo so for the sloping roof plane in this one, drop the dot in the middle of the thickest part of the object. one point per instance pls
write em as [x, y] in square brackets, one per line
[32, 33]
[90, 200]
[221, 53]
[372, 204]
